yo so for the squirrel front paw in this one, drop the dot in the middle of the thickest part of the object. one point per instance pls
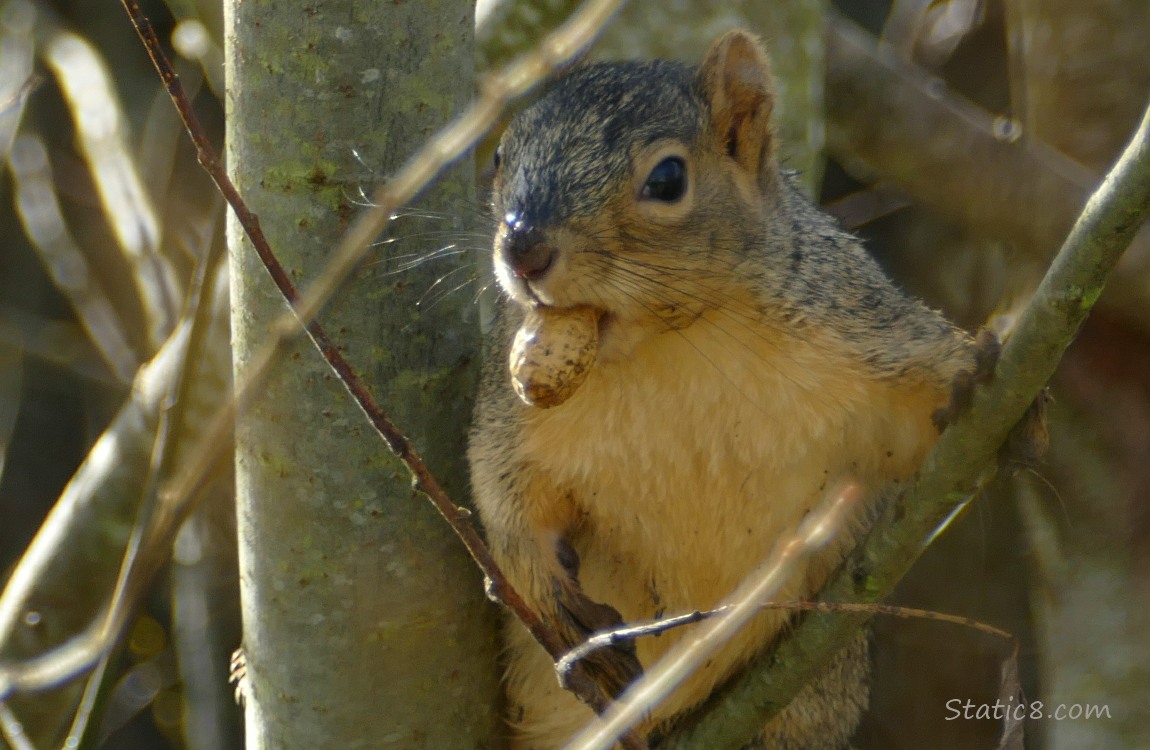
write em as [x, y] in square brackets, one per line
[1028, 440]
[612, 668]
[987, 349]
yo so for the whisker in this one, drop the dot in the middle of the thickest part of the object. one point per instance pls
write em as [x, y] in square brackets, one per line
[457, 210]
[435, 235]
[420, 213]
[442, 253]
[673, 294]
[439, 281]
[451, 249]
[450, 292]
[362, 201]
[408, 262]
[705, 357]
[482, 290]
[432, 302]
[363, 162]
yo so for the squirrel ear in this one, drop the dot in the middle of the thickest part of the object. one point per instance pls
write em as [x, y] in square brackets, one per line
[736, 82]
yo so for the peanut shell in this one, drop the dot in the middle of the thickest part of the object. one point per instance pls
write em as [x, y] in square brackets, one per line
[552, 354]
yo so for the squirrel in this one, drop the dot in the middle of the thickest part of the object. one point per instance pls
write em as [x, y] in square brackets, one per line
[751, 355]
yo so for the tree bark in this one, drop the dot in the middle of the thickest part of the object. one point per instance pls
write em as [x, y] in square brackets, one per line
[364, 622]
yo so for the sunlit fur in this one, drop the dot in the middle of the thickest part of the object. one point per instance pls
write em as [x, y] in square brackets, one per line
[752, 356]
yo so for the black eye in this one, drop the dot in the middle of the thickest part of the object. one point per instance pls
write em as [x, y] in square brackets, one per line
[498, 156]
[667, 181]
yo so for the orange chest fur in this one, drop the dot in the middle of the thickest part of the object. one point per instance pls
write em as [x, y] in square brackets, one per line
[688, 458]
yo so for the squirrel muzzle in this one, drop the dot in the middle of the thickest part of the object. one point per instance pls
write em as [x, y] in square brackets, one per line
[524, 249]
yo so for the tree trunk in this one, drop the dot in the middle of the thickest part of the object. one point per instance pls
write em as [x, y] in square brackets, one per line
[364, 622]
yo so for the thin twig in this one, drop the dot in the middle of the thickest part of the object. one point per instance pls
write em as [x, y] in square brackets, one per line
[498, 91]
[633, 631]
[12, 730]
[21, 94]
[962, 457]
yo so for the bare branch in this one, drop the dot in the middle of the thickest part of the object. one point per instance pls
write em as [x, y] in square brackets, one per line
[108, 485]
[43, 220]
[632, 631]
[119, 481]
[895, 119]
[12, 730]
[89, 91]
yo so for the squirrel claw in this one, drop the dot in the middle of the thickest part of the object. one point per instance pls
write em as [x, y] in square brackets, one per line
[609, 668]
[1028, 440]
[613, 667]
[238, 675]
[987, 349]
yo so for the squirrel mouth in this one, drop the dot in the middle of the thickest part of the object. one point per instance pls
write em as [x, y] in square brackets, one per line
[533, 296]
[606, 322]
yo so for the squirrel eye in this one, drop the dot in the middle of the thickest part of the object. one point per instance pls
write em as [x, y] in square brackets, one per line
[498, 158]
[667, 181]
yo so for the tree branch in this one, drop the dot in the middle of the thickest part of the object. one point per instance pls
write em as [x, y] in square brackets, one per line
[895, 119]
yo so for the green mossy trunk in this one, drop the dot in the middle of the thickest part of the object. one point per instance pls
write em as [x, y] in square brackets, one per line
[364, 621]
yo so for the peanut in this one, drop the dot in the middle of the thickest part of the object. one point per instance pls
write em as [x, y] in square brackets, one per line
[552, 354]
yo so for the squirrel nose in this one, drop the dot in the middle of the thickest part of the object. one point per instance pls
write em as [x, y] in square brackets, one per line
[525, 249]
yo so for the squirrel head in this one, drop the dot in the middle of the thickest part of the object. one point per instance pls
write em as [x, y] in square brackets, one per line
[637, 187]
